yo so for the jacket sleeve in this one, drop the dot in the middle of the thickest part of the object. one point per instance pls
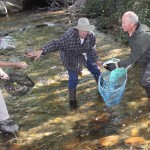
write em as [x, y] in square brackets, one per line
[57, 44]
[139, 46]
[92, 52]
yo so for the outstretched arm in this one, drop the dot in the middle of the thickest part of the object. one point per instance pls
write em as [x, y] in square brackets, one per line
[54, 45]
[13, 64]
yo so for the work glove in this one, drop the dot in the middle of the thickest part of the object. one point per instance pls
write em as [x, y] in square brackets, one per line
[111, 66]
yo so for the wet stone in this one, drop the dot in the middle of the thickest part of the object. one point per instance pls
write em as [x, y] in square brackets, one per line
[134, 132]
[104, 117]
[69, 143]
[41, 25]
[135, 141]
[108, 141]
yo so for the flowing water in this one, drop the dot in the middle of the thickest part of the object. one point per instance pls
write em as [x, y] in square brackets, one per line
[44, 117]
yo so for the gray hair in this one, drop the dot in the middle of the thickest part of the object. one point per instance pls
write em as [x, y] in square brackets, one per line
[132, 17]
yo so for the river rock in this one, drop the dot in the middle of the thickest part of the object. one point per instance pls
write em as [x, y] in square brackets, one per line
[10, 47]
[135, 132]
[104, 117]
[7, 47]
[134, 141]
[108, 140]
[6, 43]
[69, 143]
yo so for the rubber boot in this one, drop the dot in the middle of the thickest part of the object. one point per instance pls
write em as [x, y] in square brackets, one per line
[72, 98]
[148, 92]
[96, 79]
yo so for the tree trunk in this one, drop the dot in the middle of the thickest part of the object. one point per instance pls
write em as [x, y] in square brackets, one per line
[11, 5]
[77, 4]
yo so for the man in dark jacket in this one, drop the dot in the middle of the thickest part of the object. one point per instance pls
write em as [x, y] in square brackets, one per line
[139, 41]
[77, 47]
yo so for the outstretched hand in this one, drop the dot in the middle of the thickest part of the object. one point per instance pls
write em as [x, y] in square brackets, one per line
[35, 54]
[3, 75]
[99, 63]
[21, 64]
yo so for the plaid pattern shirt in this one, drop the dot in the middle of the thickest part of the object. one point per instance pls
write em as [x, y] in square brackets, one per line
[73, 55]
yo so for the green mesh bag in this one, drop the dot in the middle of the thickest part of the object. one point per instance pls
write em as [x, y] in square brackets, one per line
[111, 85]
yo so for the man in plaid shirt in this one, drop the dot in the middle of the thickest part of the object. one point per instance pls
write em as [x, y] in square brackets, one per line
[77, 48]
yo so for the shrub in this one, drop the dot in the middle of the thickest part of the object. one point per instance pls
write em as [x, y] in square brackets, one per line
[109, 13]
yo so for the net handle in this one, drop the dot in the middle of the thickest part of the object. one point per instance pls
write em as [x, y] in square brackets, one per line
[115, 61]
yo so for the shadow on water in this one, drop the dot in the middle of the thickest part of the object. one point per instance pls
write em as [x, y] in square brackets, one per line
[45, 119]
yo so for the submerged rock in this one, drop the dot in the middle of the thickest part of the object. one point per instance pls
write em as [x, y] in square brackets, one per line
[6, 43]
[135, 141]
[70, 143]
[104, 117]
[10, 47]
[108, 141]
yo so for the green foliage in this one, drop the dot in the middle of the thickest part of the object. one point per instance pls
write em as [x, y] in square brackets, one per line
[109, 13]
[142, 8]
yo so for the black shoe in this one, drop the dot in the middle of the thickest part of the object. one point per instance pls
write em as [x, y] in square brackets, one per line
[72, 98]
[73, 105]
[148, 92]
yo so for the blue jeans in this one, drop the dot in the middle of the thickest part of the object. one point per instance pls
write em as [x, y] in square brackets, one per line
[73, 75]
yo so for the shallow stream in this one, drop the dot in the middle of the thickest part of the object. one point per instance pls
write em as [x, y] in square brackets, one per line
[45, 119]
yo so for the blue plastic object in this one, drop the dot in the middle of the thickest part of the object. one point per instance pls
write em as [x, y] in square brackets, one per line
[111, 85]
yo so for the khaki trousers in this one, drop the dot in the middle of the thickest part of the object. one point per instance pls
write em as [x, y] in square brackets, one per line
[3, 108]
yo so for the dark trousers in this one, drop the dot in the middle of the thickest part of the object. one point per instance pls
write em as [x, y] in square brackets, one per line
[145, 78]
[73, 75]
